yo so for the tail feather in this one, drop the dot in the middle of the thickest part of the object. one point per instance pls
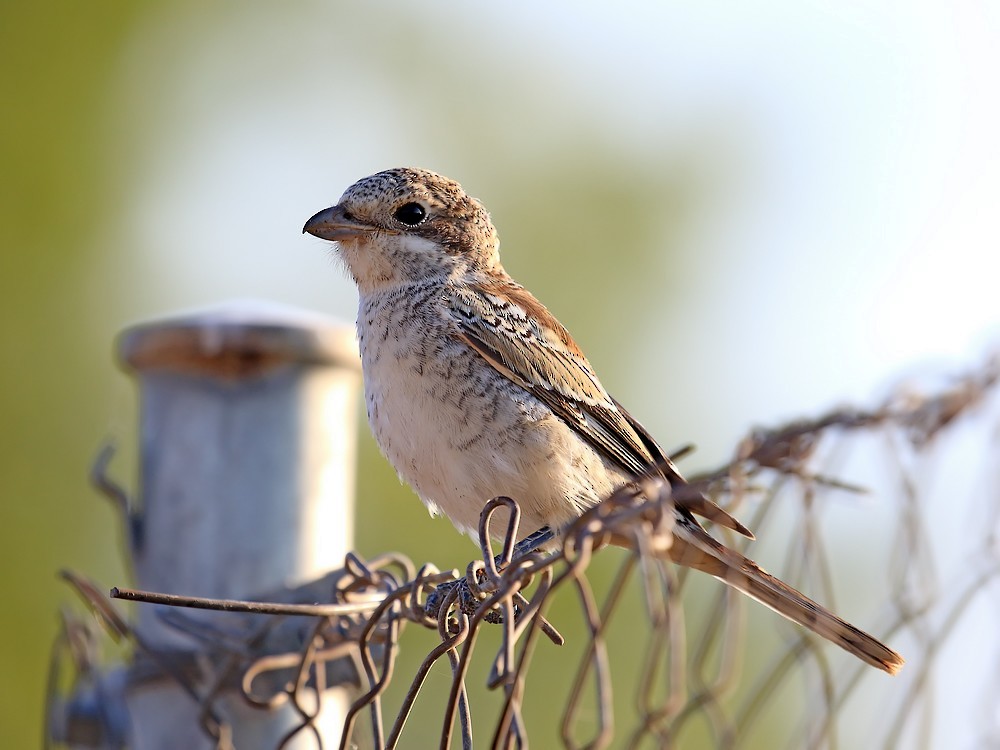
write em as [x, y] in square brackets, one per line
[693, 547]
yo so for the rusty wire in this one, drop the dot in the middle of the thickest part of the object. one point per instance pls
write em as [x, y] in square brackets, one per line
[696, 679]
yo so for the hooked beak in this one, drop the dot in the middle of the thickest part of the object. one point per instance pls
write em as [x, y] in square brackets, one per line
[332, 224]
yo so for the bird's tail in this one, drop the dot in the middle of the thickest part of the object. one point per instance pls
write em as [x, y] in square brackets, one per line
[693, 547]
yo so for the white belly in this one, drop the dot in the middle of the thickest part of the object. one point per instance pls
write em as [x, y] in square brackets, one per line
[460, 433]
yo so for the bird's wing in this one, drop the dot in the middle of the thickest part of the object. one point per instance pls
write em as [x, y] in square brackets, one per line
[522, 340]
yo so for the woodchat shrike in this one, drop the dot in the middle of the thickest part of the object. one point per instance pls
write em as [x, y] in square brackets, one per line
[475, 390]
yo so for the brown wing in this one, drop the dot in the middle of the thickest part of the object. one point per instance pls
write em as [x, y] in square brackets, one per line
[520, 338]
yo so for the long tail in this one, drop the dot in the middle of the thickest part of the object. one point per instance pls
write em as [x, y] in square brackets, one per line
[694, 548]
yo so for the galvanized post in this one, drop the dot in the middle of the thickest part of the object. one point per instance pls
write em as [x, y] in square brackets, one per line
[247, 429]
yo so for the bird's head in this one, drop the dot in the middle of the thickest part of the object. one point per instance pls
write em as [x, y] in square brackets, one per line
[406, 225]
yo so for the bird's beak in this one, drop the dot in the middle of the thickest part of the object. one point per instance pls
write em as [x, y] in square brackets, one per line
[332, 224]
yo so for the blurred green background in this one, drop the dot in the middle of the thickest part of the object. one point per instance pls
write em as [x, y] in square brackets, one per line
[743, 214]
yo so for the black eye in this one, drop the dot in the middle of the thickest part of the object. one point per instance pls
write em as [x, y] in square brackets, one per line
[410, 214]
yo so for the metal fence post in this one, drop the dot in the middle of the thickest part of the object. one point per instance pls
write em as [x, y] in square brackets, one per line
[247, 429]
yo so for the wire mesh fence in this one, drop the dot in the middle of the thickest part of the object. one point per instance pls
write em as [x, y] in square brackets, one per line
[892, 512]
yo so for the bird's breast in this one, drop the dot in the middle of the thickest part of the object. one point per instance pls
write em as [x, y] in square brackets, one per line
[458, 431]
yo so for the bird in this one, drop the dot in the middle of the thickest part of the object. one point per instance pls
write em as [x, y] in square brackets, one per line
[475, 390]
